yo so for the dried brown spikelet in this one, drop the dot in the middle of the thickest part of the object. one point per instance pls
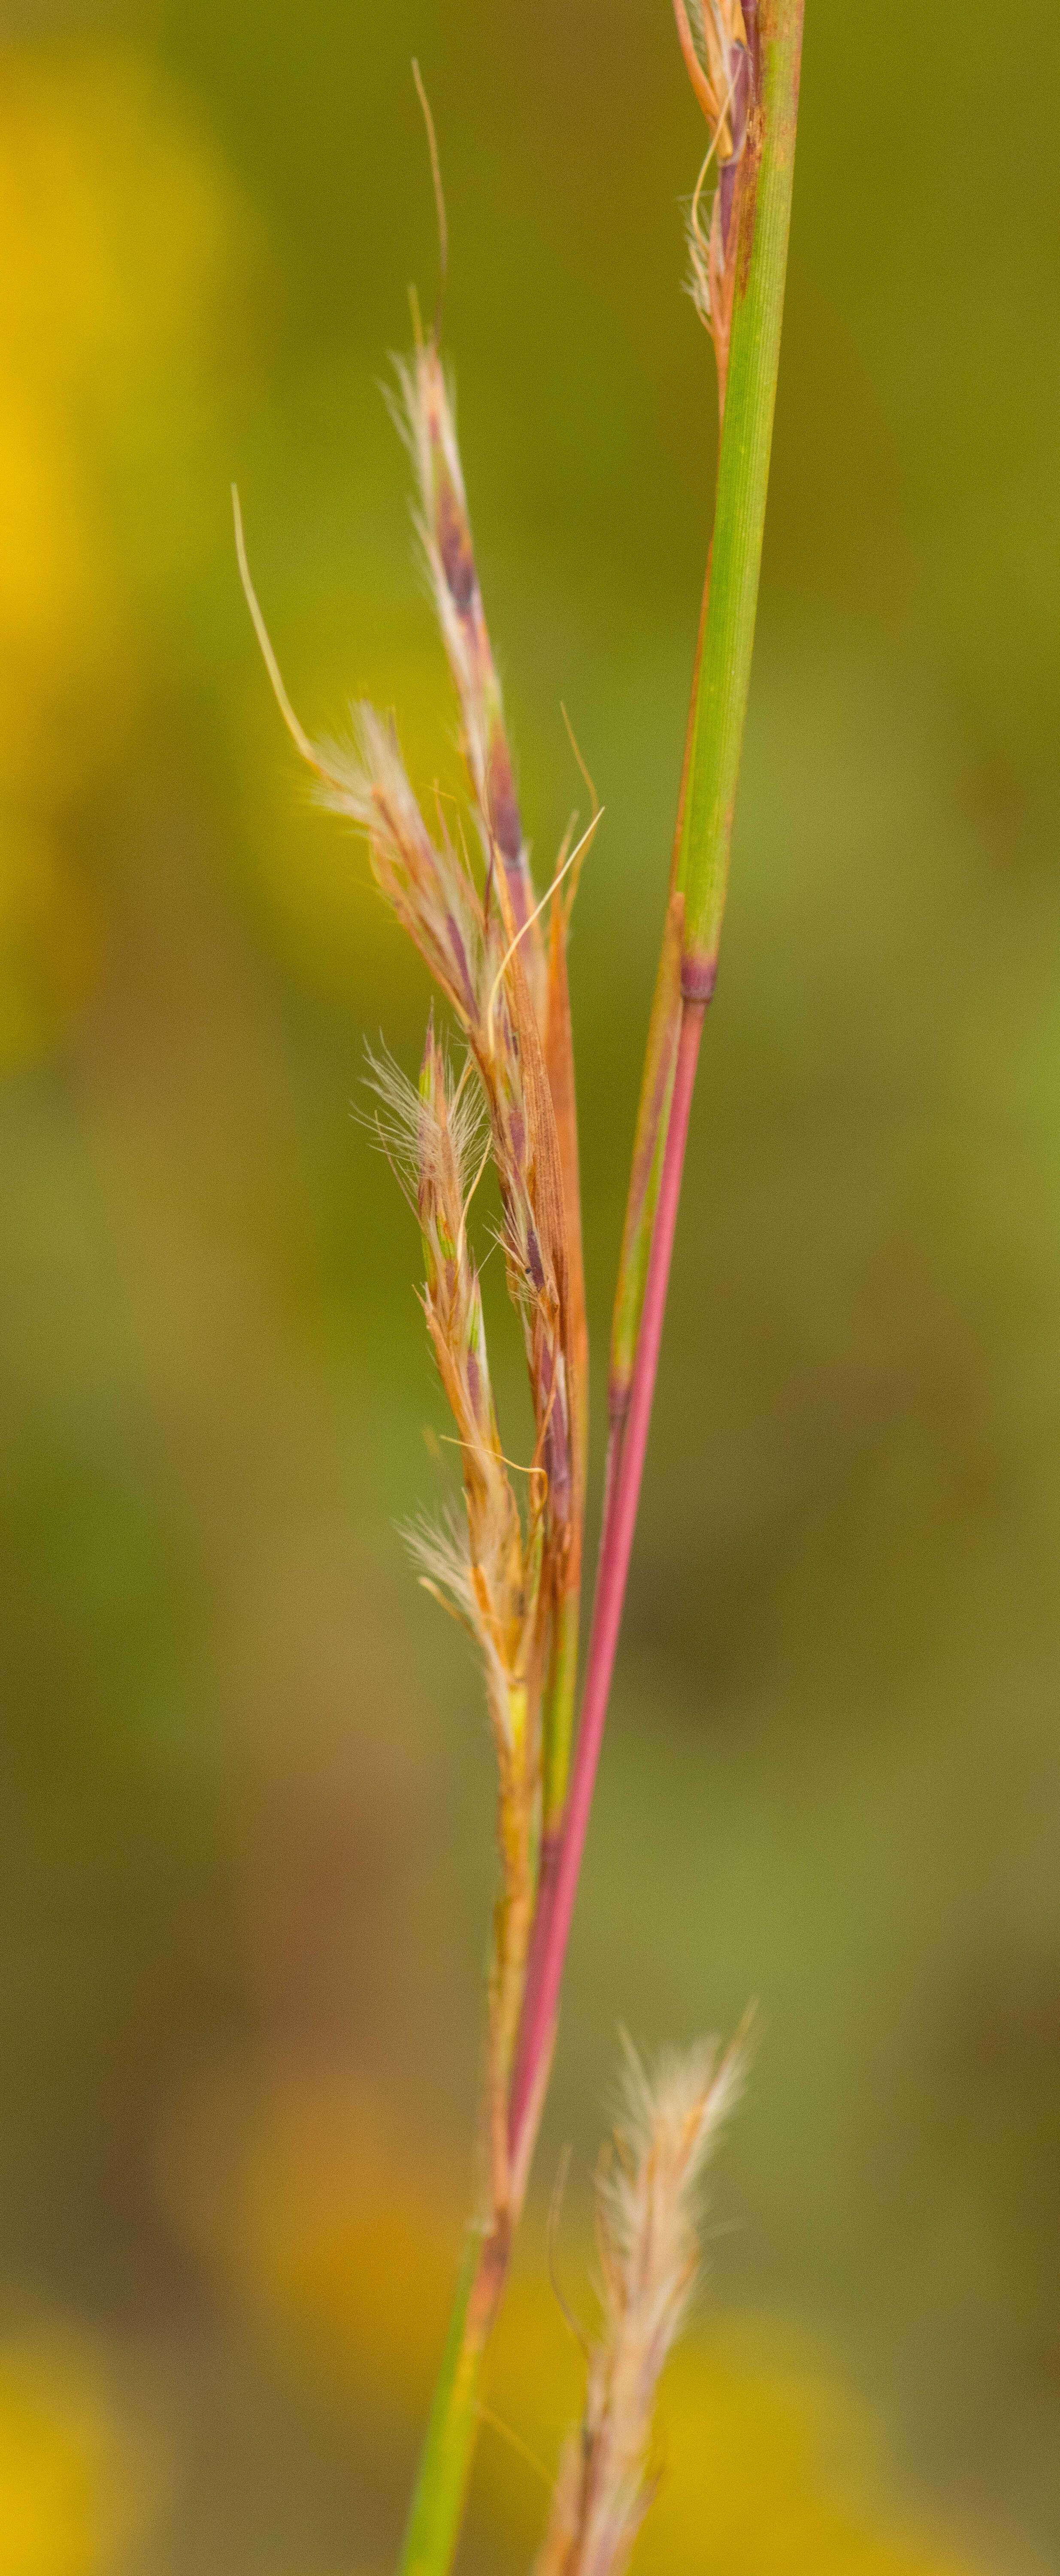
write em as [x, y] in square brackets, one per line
[648, 2196]
[425, 417]
[434, 1136]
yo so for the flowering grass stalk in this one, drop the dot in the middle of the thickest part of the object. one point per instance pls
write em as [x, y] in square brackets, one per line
[508, 1564]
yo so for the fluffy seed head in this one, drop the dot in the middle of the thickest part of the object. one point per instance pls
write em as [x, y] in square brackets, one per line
[648, 2195]
[667, 2125]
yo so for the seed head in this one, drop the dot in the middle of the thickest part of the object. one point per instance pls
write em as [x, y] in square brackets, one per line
[647, 2205]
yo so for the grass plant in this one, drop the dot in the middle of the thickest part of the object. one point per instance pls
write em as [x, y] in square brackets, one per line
[508, 1561]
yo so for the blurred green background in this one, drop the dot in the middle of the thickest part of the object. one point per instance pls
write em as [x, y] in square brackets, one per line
[245, 1787]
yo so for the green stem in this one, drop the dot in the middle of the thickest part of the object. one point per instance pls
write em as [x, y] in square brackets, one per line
[437, 2508]
[653, 1113]
[721, 679]
[740, 505]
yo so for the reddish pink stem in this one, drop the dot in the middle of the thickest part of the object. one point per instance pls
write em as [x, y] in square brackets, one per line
[552, 1838]
[552, 1928]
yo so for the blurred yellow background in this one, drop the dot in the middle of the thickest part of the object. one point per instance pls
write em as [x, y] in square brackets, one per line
[245, 1787]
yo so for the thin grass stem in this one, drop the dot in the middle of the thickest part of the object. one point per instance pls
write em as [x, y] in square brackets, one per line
[543, 1994]
[437, 2508]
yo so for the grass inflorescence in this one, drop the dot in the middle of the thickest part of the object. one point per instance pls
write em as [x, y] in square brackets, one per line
[507, 1558]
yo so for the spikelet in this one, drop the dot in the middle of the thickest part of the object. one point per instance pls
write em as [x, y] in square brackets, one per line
[433, 1135]
[468, 936]
[463, 939]
[466, 940]
[453, 1307]
[482, 941]
[648, 2195]
[718, 42]
[488, 1568]
[539, 1173]
[425, 417]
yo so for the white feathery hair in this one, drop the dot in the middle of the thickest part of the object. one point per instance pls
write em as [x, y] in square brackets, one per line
[666, 2128]
[697, 244]
[441, 1552]
[356, 771]
[426, 882]
[649, 2194]
[406, 1127]
[364, 777]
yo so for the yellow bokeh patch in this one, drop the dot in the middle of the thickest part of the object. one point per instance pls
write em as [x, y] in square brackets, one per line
[69, 2489]
[114, 231]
